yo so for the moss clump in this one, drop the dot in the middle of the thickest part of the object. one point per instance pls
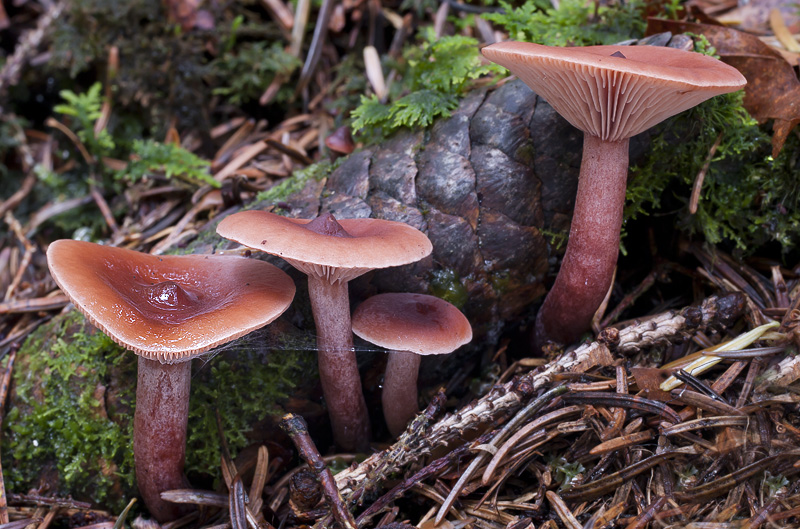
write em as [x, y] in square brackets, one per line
[248, 73]
[73, 402]
[572, 23]
[434, 76]
[748, 198]
[295, 183]
[445, 284]
[65, 415]
[243, 390]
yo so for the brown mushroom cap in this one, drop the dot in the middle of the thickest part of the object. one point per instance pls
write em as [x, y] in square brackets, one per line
[341, 141]
[418, 323]
[373, 243]
[168, 308]
[616, 96]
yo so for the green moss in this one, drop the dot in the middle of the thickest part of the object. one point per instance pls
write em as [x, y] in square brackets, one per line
[434, 75]
[206, 242]
[446, 284]
[245, 75]
[73, 402]
[243, 390]
[748, 198]
[295, 183]
[501, 282]
[572, 23]
[62, 412]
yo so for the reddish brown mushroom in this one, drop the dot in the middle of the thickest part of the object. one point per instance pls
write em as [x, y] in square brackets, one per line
[611, 93]
[410, 326]
[167, 310]
[332, 253]
[341, 141]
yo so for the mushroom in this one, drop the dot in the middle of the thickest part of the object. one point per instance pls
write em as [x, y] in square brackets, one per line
[331, 253]
[340, 141]
[611, 93]
[167, 310]
[410, 326]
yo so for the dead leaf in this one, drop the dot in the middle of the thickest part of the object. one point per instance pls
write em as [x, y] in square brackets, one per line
[781, 32]
[753, 16]
[772, 91]
[648, 380]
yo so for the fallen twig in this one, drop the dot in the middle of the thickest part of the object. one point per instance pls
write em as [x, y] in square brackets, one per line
[670, 327]
[296, 428]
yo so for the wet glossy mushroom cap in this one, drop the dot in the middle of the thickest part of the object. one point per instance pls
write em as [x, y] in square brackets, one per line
[168, 308]
[614, 92]
[418, 323]
[367, 244]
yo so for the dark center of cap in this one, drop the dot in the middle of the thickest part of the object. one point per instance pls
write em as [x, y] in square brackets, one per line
[167, 301]
[618, 54]
[424, 308]
[326, 224]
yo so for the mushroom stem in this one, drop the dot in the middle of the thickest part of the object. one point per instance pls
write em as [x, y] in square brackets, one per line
[399, 396]
[588, 265]
[338, 369]
[159, 433]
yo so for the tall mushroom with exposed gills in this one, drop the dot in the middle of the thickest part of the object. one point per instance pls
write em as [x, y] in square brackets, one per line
[332, 252]
[610, 93]
[410, 326]
[167, 310]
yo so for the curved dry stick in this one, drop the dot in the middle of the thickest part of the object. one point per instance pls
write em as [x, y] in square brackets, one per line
[523, 432]
[625, 401]
[510, 426]
[669, 327]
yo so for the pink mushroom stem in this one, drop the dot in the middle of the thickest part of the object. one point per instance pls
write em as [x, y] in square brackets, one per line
[593, 247]
[159, 433]
[338, 369]
[399, 396]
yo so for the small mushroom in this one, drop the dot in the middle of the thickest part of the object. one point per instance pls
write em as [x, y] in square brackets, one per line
[611, 93]
[410, 326]
[331, 253]
[341, 141]
[167, 310]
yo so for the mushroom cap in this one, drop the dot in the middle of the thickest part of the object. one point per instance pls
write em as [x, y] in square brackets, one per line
[616, 97]
[418, 323]
[341, 141]
[168, 308]
[373, 243]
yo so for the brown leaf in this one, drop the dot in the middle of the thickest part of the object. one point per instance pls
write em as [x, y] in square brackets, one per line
[772, 91]
[753, 16]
